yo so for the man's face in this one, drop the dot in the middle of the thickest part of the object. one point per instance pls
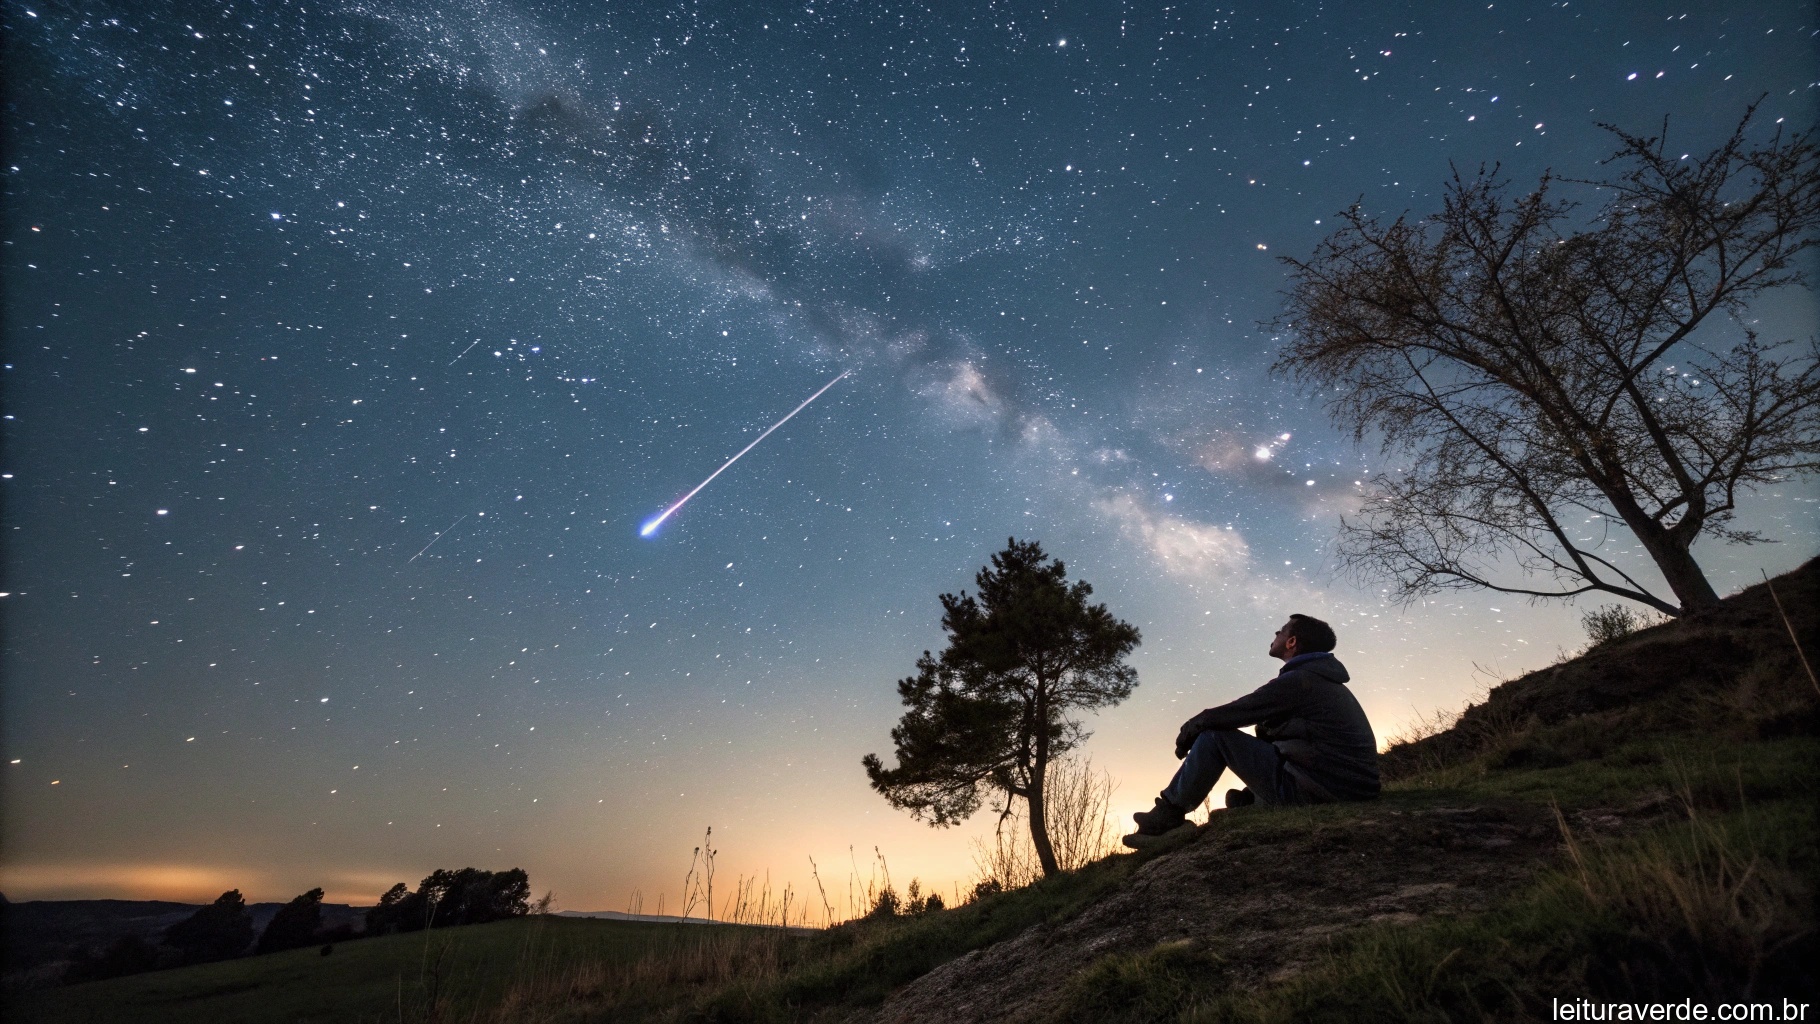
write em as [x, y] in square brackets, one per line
[1283, 645]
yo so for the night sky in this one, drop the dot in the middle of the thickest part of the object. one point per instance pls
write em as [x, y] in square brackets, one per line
[349, 346]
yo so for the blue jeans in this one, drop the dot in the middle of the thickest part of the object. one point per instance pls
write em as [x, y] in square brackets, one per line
[1253, 760]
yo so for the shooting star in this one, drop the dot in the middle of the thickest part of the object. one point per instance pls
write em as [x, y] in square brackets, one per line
[651, 527]
[457, 359]
[433, 540]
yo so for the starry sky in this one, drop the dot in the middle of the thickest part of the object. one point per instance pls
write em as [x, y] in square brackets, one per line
[348, 345]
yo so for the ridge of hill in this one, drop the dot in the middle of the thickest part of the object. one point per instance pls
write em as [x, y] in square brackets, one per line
[1731, 669]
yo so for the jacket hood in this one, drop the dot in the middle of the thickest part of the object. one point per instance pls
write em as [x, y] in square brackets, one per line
[1328, 669]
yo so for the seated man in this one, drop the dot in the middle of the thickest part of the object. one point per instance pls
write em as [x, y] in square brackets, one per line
[1313, 743]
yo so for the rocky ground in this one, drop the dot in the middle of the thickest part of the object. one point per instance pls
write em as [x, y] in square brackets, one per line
[1263, 898]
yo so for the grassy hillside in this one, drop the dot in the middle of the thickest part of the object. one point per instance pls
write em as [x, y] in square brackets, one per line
[1638, 823]
[1689, 872]
[1730, 672]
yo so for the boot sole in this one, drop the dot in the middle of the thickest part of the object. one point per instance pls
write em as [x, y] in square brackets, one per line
[1140, 841]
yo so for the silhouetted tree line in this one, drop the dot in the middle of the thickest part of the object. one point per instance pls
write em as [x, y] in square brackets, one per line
[220, 931]
[445, 898]
[223, 930]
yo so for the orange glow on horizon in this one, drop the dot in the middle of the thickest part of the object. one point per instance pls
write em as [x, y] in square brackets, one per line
[179, 883]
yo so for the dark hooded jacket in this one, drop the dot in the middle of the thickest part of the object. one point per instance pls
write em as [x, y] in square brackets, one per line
[1315, 723]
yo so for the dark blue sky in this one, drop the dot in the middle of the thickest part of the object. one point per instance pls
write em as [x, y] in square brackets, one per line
[293, 290]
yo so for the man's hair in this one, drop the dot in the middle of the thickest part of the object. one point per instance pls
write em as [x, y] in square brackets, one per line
[1311, 634]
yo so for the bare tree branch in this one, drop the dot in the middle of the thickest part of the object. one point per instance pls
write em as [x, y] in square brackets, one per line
[1518, 357]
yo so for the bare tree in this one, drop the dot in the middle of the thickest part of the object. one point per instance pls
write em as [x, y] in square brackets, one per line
[1547, 377]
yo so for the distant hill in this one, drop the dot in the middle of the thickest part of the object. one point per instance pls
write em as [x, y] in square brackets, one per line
[615, 915]
[39, 933]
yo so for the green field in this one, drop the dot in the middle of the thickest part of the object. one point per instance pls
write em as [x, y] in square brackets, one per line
[466, 970]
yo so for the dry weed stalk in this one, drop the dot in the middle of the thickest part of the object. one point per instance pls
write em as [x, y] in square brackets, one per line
[698, 884]
[827, 908]
[1791, 633]
[1426, 725]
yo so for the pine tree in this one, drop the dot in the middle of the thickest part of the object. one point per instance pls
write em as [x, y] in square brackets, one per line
[986, 717]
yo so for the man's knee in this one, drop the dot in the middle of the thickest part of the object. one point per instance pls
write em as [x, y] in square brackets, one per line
[1218, 738]
[1229, 739]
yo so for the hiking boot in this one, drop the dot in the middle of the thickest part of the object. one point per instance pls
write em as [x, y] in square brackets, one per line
[1156, 823]
[1163, 817]
[1240, 798]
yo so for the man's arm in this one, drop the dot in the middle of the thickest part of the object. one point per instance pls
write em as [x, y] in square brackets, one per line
[1274, 699]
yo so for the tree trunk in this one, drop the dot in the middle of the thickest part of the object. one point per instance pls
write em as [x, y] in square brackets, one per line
[1674, 561]
[1037, 798]
[1685, 578]
[1039, 827]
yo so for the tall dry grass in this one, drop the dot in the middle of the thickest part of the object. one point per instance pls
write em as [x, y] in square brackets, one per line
[713, 959]
[1481, 725]
[1703, 906]
[753, 949]
[757, 936]
[701, 960]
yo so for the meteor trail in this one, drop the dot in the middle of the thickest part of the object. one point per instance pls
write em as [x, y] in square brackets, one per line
[651, 527]
[464, 352]
[433, 540]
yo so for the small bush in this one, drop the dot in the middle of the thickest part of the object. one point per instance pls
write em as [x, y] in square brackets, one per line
[1077, 812]
[887, 905]
[915, 903]
[1615, 622]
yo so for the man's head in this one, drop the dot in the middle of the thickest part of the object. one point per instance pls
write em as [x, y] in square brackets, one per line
[1302, 634]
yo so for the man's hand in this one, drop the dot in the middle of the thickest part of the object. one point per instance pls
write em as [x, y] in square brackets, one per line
[1185, 739]
[1191, 729]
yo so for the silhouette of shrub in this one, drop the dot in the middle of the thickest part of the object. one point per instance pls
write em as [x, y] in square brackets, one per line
[218, 931]
[295, 924]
